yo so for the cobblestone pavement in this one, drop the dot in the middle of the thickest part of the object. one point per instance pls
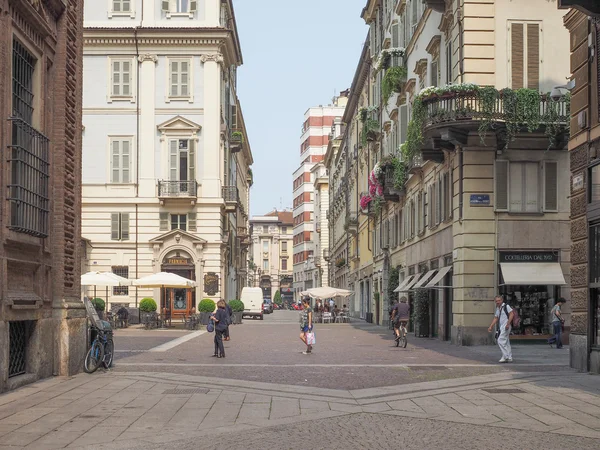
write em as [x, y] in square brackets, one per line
[193, 401]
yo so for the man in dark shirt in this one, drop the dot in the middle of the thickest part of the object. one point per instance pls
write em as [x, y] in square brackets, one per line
[400, 315]
[230, 321]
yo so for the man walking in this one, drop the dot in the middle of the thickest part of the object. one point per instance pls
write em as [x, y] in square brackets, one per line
[504, 316]
[557, 323]
[229, 321]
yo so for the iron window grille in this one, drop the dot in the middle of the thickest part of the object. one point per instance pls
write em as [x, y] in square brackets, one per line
[19, 333]
[122, 271]
[22, 79]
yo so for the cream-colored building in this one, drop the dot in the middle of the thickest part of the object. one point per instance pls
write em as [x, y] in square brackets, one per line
[271, 254]
[468, 198]
[166, 158]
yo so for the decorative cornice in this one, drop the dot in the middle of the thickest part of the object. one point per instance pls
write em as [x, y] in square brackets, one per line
[148, 57]
[214, 57]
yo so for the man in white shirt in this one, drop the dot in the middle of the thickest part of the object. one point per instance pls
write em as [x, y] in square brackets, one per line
[504, 314]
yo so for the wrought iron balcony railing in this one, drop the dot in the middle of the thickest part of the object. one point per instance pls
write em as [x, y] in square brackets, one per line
[177, 188]
[231, 194]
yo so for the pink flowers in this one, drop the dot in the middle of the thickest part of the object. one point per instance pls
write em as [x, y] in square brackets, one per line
[364, 202]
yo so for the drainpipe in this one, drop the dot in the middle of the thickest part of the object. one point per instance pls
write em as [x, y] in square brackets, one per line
[137, 157]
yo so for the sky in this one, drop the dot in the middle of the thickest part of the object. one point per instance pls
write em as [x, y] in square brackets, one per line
[297, 54]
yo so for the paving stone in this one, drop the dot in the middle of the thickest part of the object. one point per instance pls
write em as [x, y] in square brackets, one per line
[283, 407]
[22, 438]
[55, 439]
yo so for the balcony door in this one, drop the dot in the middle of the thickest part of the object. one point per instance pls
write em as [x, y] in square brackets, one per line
[182, 165]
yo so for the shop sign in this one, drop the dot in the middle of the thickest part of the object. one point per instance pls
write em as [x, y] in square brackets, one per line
[211, 283]
[531, 257]
[479, 200]
[178, 261]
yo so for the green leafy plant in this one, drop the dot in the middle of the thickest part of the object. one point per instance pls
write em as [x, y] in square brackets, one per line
[148, 305]
[370, 127]
[377, 205]
[392, 82]
[237, 136]
[277, 298]
[340, 262]
[414, 133]
[393, 282]
[207, 305]
[488, 99]
[236, 305]
[420, 314]
[399, 173]
[99, 304]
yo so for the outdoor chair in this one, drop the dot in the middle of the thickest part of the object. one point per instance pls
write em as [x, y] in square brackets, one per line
[327, 317]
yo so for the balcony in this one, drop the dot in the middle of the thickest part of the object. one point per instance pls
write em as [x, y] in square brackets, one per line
[351, 225]
[450, 116]
[231, 197]
[415, 164]
[235, 141]
[177, 190]
[390, 192]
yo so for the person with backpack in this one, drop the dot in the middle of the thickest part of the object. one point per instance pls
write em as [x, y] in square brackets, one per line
[504, 317]
[557, 323]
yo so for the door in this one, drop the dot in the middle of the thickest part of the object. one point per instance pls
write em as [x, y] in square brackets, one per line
[182, 163]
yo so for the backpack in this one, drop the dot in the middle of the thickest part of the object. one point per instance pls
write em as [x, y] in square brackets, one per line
[516, 322]
[210, 327]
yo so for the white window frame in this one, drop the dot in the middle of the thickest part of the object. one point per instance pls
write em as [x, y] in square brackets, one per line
[179, 222]
[120, 139]
[541, 186]
[177, 98]
[111, 97]
[169, 7]
[112, 13]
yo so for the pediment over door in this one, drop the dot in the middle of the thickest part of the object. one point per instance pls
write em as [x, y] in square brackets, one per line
[175, 240]
[179, 124]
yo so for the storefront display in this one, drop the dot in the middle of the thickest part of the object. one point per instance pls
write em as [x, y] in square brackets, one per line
[533, 304]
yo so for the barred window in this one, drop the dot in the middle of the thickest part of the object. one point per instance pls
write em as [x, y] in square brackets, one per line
[122, 271]
[28, 191]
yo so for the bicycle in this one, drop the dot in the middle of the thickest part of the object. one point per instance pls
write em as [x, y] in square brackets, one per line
[102, 349]
[402, 341]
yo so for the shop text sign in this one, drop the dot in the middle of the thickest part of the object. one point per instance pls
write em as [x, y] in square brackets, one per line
[508, 257]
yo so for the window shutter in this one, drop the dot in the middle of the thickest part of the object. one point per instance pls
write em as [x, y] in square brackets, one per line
[126, 6]
[126, 77]
[116, 6]
[165, 5]
[115, 162]
[434, 73]
[550, 186]
[449, 66]
[438, 202]
[517, 55]
[451, 195]
[116, 78]
[429, 206]
[533, 56]
[192, 222]
[501, 193]
[234, 118]
[532, 185]
[193, 5]
[403, 123]
[192, 161]
[164, 221]
[174, 81]
[184, 78]
[125, 161]
[124, 226]
[415, 13]
[173, 159]
[114, 226]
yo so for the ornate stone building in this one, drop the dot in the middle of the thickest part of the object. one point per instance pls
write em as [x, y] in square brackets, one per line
[42, 318]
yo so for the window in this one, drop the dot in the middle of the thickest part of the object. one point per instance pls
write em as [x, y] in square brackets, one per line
[179, 222]
[28, 155]
[191, 217]
[179, 6]
[182, 162]
[122, 271]
[435, 73]
[120, 78]
[594, 193]
[284, 264]
[121, 6]
[164, 221]
[120, 160]
[179, 78]
[524, 57]
[119, 226]
[526, 187]
[265, 264]
[265, 246]
[449, 64]
[283, 230]
[284, 246]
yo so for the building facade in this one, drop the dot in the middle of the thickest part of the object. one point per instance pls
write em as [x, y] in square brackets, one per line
[583, 24]
[314, 139]
[166, 167]
[467, 193]
[271, 253]
[42, 318]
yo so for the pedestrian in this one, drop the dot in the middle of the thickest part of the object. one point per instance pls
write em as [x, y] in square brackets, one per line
[331, 304]
[220, 318]
[307, 324]
[557, 323]
[229, 322]
[503, 316]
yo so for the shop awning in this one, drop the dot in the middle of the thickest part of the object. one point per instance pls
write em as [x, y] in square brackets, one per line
[401, 286]
[410, 284]
[438, 277]
[423, 280]
[532, 274]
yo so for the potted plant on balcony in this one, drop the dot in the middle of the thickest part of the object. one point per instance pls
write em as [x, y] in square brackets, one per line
[237, 136]
[237, 306]
[206, 308]
[340, 262]
[365, 200]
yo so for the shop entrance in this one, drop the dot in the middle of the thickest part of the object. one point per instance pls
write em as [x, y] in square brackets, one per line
[177, 303]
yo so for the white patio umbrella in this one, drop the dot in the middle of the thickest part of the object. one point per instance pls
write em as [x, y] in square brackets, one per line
[326, 292]
[106, 279]
[164, 280]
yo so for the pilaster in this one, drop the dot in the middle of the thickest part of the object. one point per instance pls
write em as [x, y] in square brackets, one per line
[211, 177]
[147, 134]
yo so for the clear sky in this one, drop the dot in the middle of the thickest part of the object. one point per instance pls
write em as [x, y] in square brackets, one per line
[297, 54]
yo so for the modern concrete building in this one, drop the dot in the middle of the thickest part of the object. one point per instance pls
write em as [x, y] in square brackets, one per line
[583, 23]
[166, 166]
[271, 247]
[42, 318]
[467, 188]
[316, 130]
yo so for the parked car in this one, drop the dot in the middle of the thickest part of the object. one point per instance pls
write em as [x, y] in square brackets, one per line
[267, 306]
[252, 296]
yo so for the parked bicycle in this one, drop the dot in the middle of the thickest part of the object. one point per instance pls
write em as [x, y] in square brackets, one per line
[102, 349]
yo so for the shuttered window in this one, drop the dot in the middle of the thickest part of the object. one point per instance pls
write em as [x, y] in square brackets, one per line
[524, 59]
[403, 123]
[501, 185]
[179, 78]
[119, 6]
[435, 73]
[119, 226]
[121, 78]
[120, 160]
[550, 186]
[164, 221]
[192, 222]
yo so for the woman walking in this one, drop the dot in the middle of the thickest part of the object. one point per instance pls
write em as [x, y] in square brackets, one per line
[221, 319]
[557, 323]
[307, 324]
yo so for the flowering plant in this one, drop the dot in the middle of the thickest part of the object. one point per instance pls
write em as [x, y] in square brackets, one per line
[364, 202]
[384, 56]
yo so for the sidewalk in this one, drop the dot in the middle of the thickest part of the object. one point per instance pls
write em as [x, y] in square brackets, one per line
[126, 410]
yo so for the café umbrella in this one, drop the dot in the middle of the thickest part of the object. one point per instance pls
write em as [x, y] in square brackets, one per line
[106, 279]
[164, 280]
[326, 292]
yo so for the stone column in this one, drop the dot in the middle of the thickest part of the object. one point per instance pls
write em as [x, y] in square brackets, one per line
[145, 164]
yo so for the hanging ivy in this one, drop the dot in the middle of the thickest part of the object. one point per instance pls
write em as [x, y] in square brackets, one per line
[399, 173]
[393, 282]
[377, 205]
[488, 97]
[392, 82]
[414, 133]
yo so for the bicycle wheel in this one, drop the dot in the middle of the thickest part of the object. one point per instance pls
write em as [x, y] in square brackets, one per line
[402, 342]
[397, 341]
[109, 353]
[93, 357]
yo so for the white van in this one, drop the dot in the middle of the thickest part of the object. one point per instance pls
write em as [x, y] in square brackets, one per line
[253, 300]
